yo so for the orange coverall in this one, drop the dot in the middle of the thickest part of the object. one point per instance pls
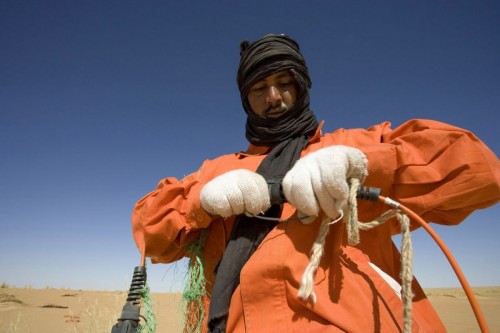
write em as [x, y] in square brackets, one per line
[441, 172]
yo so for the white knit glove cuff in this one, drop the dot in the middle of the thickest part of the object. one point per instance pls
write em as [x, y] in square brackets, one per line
[236, 192]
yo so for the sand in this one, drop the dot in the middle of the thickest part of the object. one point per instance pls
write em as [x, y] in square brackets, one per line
[60, 310]
[455, 311]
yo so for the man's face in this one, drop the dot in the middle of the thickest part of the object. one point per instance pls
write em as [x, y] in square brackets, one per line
[273, 95]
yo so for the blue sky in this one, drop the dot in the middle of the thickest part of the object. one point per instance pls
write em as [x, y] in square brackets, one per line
[99, 100]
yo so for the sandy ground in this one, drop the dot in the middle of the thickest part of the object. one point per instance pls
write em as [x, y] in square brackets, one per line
[59, 310]
[455, 311]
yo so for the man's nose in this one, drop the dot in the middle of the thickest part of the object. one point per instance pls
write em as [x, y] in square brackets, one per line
[273, 95]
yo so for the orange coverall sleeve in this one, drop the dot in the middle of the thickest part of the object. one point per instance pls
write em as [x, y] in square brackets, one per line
[442, 172]
[161, 219]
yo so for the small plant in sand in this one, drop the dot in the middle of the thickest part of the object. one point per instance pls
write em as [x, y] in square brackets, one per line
[7, 298]
[99, 319]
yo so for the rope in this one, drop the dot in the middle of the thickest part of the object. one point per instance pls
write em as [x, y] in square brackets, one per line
[194, 290]
[353, 225]
[406, 269]
[306, 289]
[150, 318]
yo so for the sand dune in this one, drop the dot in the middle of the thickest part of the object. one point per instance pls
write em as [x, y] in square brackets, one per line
[60, 310]
[455, 311]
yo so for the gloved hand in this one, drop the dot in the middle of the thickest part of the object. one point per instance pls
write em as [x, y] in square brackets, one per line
[319, 180]
[236, 192]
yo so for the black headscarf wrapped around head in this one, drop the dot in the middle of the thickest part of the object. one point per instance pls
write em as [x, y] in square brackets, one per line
[264, 57]
[287, 134]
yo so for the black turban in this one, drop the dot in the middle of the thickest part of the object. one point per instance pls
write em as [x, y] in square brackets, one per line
[264, 57]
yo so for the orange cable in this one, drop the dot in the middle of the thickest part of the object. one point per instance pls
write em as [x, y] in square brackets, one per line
[460, 275]
[143, 256]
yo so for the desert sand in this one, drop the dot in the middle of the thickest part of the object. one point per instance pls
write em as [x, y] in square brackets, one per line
[60, 310]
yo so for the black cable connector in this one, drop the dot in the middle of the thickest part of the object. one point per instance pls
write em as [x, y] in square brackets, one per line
[275, 188]
[368, 193]
[129, 319]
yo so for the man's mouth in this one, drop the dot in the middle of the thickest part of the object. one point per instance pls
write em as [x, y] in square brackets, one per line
[275, 110]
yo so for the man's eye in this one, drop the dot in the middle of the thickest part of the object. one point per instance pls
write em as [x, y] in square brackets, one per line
[285, 84]
[258, 89]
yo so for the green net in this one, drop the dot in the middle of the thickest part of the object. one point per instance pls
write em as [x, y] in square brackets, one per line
[194, 290]
[149, 325]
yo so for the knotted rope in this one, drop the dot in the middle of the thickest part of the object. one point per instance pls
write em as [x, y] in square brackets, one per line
[353, 225]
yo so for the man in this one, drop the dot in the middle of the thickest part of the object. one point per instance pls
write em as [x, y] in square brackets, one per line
[293, 173]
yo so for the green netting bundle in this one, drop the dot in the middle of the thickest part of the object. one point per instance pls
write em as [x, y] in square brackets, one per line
[194, 290]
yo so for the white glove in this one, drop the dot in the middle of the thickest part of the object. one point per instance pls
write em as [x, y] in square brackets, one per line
[319, 180]
[236, 192]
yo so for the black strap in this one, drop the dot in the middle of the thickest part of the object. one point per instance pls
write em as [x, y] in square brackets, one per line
[248, 233]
